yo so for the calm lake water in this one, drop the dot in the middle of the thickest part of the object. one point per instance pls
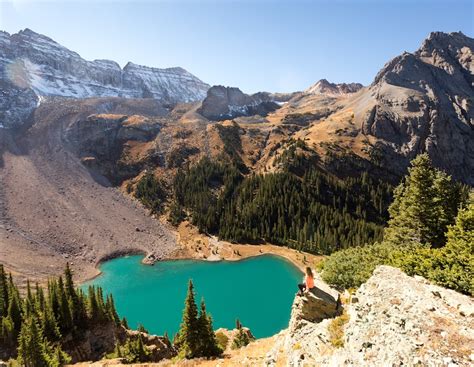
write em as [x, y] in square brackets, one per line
[258, 291]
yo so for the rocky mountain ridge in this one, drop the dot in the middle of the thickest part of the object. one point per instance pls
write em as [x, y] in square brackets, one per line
[418, 102]
[423, 102]
[333, 89]
[33, 65]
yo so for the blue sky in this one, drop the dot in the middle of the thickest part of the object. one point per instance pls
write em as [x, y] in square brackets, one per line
[255, 45]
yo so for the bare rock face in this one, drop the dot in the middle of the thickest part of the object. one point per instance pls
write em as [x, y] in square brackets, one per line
[223, 103]
[159, 346]
[103, 143]
[424, 103]
[33, 65]
[332, 89]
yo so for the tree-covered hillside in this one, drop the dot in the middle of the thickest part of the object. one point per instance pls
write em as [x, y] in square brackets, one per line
[299, 206]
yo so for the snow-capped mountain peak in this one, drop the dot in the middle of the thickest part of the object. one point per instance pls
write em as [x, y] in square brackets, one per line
[31, 60]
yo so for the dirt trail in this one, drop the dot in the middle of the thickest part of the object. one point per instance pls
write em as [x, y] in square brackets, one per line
[52, 210]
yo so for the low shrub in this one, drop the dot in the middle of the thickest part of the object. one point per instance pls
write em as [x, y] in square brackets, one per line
[336, 330]
[222, 340]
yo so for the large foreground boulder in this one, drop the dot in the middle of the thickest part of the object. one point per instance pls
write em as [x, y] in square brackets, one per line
[307, 336]
[392, 320]
[318, 304]
[406, 321]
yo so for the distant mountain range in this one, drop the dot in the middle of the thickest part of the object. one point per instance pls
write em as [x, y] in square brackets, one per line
[31, 62]
[421, 101]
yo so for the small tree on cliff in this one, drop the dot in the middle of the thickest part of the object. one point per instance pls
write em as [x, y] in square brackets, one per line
[242, 338]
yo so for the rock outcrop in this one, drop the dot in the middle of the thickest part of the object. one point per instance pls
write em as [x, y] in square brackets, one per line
[333, 89]
[101, 340]
[33, 65]
[317, 305]
[393, 320]
[223, 103]
[307, 334]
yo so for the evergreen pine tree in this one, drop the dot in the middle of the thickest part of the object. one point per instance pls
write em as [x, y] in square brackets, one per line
[93, 307]
[65, 316]
[3, 292]
[125, 323]
[142, 329]
[40, 299]
[7, 332]
[14, 308]
[134, 351]
[31, 347]
[423, 206]
[187, 340]
[141, 351]
[117, 350]
[49, 325]
[454, 264]
[166, 338]
[56, 357]
[101, 309]
[29, 308]
[208, 346]
[111, 311]
[78, 314]
[241, 339]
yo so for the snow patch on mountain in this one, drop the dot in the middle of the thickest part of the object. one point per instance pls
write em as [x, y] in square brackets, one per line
[31, 60]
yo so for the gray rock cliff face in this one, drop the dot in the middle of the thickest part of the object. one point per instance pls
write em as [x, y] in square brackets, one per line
[223, 103]
[405, 321]
[423, 102]
[33, 65]
[101, 142]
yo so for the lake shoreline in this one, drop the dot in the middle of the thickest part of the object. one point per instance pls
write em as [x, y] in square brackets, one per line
[197, 246]
[192, 245]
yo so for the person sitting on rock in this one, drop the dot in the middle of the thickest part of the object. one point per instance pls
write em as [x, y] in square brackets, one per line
[308, 282]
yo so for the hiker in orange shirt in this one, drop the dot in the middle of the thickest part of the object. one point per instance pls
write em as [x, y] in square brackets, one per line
[308, 282]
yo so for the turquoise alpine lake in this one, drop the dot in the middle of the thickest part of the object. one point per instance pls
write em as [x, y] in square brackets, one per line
[258, 291]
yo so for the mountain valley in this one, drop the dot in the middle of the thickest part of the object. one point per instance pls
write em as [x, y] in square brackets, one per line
[99, 161]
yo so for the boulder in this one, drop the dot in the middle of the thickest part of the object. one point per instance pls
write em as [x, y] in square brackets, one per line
[307, 336]
[319, 304]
